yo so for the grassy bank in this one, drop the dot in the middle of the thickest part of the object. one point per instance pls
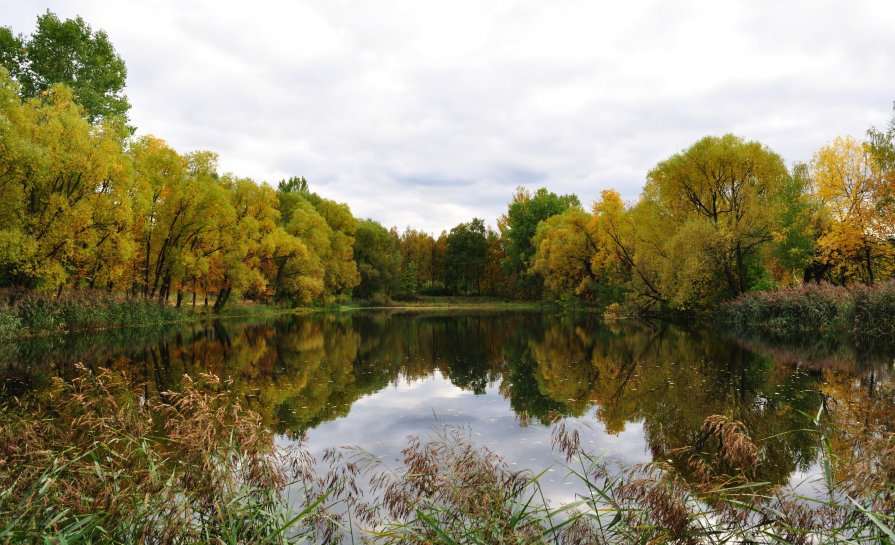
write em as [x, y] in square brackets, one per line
[446, 302]
[31, 314]
[34, 313]
[865, 314]
[94, 462]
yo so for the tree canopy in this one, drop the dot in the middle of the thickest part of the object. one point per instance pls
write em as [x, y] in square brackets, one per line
[71, 53]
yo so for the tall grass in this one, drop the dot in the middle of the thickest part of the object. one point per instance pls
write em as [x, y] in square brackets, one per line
[95, 462]
[450, 491]
[29, 313]
[864, 313]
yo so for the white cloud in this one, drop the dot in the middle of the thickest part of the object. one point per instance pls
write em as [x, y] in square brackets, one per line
[429, 113]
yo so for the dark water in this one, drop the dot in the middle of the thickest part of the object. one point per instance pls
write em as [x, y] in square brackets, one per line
[370, 379]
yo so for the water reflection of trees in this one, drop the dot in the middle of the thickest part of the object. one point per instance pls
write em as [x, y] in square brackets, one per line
[300, 371]
[671, 380]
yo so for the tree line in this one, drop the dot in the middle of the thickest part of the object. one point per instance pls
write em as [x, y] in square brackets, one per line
[726, 216]
[89, 205]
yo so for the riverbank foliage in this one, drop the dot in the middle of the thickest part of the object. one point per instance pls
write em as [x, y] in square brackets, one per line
[861, 312]
[26, 313]
[87, 205]
[113, 465]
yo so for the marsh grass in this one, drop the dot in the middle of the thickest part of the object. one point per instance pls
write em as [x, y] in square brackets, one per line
[94, 462]
[31, 313]
[865, 314]
[448, 490]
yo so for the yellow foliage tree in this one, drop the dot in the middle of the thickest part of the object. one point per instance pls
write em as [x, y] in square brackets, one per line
[564, 252]
[66, 193]
[854, 191]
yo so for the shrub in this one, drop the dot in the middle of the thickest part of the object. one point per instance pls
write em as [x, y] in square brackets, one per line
[866, 313]
[10, 324]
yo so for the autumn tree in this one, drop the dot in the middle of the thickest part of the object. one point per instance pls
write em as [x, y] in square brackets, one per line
[341, 274]
[851, 184]
[188, 211]
[722, 193]
[327, 229]
[494, 278]
[245, 241]
[417, 249]
[66, 193]
[564, 251]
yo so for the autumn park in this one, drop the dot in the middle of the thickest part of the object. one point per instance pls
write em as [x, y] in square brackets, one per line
[190, 355]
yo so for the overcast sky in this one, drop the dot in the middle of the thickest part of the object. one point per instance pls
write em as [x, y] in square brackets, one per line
[429, 113]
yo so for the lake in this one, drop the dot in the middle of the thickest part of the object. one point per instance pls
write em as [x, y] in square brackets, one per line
[636, 390]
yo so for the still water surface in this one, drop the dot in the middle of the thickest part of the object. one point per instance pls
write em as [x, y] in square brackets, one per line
[370, 379]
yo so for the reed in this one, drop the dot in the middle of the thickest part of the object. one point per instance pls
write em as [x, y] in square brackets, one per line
[95, 462]
[31, 313]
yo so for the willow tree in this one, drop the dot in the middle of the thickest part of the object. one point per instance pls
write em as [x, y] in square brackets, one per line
[189, 210]
[630, 253]
[724, 192]
[327, 229]
[340, 274]
[564, 251]
[245, 242]
[65, 192]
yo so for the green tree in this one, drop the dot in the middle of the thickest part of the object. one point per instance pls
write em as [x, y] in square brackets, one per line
[466, 256]
[12, 52]
[68, 52]
[518, 227]
[794, 246]
[378, 260]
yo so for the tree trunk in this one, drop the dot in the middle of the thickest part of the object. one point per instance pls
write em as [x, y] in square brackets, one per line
[223, 295]
[869, 261]
[741, 272]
